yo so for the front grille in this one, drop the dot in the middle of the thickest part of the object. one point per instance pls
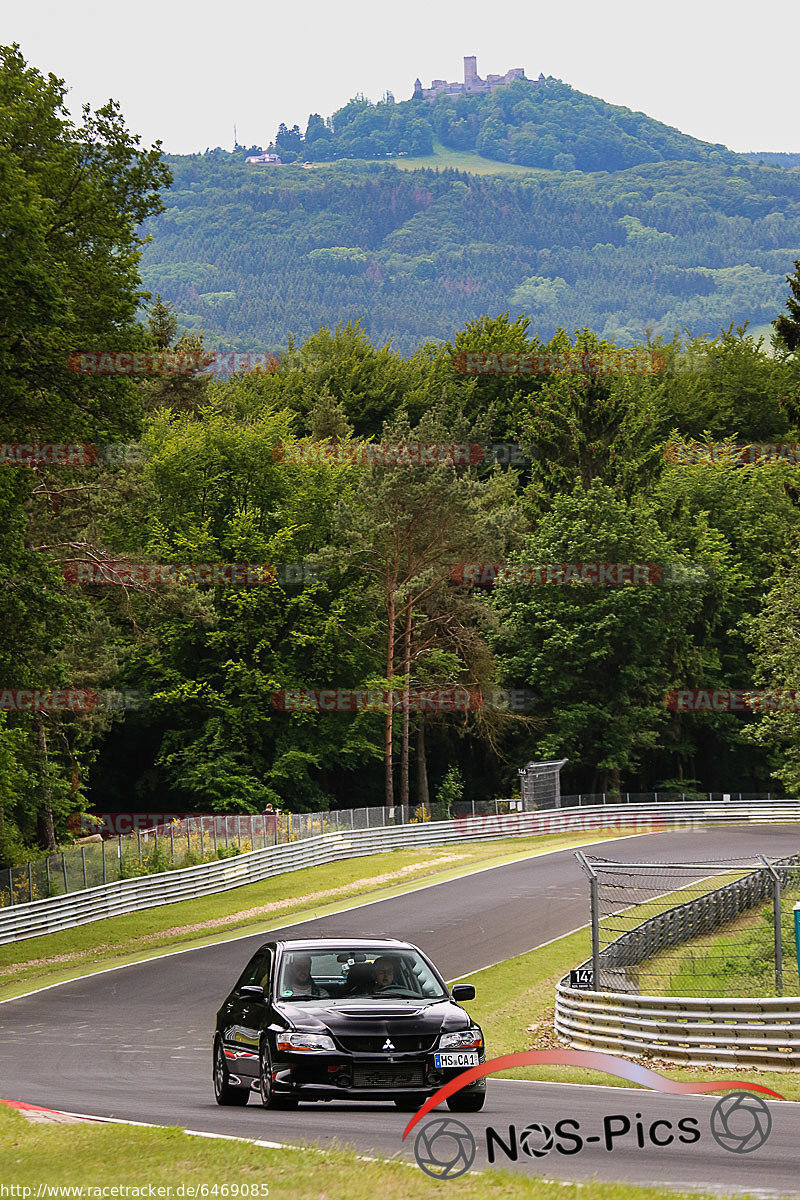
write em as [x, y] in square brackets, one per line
[376, 1043]
[387, 1075]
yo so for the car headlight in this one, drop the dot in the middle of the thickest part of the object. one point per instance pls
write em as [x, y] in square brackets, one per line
[304, 1041]
[466, 1039]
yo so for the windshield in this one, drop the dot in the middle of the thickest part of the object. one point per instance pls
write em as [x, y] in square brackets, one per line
[366, 974]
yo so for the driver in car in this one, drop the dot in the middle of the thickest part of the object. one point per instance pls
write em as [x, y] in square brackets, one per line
[384, 973]
[299, 979]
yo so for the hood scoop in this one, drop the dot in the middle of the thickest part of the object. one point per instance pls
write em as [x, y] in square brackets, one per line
[379, 1012]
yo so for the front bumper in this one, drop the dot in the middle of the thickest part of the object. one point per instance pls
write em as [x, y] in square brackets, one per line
[338, 1075]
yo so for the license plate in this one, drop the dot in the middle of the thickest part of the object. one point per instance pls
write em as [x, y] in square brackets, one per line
[456, 1058]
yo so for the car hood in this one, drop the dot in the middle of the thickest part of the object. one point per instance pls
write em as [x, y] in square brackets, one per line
[377, 1016]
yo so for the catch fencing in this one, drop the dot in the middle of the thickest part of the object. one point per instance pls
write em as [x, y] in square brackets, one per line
[134, 894]
[691, 929]
[697, 980]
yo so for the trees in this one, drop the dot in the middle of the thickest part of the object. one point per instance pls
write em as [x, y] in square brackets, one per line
[404, 528]
[788, 327]
[72, 198]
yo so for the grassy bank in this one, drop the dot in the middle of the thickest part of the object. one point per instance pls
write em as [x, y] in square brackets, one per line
[106, 1155]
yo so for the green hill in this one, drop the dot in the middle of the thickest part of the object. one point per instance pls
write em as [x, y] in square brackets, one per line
[251, 254]
[529, 124]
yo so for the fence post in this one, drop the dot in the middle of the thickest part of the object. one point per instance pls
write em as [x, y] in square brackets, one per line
[11, 884]
[495, 808]
[139, 843]
[776, 916]
[336, 815]
[352, 818]
[473, 806]
[64, 869]
[103, 850]
[595, 907]
[47, 872]
[30, 881]
[83, 861]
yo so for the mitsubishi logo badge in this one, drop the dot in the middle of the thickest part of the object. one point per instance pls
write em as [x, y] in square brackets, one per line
[387, 1045]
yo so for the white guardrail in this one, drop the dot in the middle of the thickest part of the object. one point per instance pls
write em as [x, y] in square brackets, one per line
[732, 1032]
[132, 895]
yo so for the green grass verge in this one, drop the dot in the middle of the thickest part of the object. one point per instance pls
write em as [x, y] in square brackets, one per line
[96, 1156]
[464, 160]
[268, 904]
[514, 1005]
[739, 960]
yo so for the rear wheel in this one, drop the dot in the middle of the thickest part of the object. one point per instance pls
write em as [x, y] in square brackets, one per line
[224, 1092]
[471, 1102]
[410, 1103]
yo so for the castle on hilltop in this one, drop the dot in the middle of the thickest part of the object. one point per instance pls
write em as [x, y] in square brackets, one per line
[473, 85]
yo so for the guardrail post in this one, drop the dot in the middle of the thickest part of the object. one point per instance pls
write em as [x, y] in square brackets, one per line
[776, 916]
[595, 907]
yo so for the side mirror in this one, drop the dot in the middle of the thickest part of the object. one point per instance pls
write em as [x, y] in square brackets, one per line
[463, 991]
[252, 991]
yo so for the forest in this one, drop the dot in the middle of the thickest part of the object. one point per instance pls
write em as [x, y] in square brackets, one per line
[250, 254]
[186, 550]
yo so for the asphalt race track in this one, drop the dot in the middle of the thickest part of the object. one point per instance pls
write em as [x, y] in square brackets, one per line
[135, 1043]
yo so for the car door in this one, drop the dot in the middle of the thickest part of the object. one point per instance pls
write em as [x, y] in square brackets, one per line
[245, 1014]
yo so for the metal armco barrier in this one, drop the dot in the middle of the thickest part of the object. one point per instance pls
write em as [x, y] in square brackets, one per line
[722, 1032]
[149, 891]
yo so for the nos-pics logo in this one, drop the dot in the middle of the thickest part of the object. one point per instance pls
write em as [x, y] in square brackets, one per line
[445, 1148]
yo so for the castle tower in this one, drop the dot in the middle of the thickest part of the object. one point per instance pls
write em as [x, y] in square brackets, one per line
[470, 70]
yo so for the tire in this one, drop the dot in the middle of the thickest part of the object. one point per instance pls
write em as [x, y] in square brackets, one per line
[410, 1103]
[471, 1102]
[268, 1097]
[224, 1093]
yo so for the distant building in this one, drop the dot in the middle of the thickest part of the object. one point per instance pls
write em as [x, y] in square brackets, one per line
[473, 85]
[265, 160]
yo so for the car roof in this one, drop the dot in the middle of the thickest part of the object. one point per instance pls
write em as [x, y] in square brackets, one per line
[322, 943]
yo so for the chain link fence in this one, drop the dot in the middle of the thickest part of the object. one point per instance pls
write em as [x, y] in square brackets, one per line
[693, 929]
[197, 839]
[181, 843]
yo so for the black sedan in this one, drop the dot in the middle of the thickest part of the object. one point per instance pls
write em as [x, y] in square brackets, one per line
[344, 1019]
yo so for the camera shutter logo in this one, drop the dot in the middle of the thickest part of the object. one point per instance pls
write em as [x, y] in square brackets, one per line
[741, 1122]
[444, 1148]
[536, 1140]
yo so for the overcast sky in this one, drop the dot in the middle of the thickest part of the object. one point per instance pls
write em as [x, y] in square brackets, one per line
[184, 72]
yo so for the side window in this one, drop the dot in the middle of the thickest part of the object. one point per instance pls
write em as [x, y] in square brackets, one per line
[257, 970]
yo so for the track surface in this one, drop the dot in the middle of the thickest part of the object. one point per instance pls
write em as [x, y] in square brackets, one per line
[135, 1042]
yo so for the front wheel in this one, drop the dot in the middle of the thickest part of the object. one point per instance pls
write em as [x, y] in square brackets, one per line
[224, 1092]
[471, 1102]
[269, 1099]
